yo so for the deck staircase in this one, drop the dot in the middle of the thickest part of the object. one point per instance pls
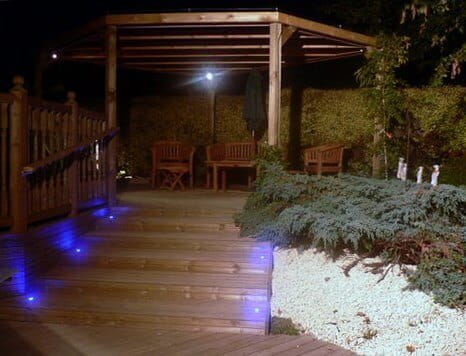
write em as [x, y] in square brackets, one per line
[172, 269]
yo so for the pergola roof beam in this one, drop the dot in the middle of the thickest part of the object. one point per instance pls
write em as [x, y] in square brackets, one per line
[206, 62]
[193, 17]
[178, 47]
[195, 26]
[223, 40]
[320, 28]
[193, 69]
[188, 37]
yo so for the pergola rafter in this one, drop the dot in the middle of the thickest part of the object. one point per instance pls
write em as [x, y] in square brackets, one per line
[186, 43]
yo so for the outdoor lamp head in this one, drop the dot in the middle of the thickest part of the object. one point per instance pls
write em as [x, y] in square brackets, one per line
[209, 76]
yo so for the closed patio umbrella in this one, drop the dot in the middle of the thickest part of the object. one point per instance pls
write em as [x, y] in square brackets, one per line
[254, 110]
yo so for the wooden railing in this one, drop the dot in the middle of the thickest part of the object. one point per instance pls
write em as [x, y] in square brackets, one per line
[53, 158]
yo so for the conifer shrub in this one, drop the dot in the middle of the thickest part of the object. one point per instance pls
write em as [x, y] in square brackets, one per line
[403, 222]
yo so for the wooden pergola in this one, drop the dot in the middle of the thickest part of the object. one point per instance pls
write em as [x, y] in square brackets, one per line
[219, 42]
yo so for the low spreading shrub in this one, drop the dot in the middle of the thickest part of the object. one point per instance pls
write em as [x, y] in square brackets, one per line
[402, 221]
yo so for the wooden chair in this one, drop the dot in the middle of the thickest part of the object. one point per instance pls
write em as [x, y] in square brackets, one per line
[221, 156]
[327, 158]
[171, 161]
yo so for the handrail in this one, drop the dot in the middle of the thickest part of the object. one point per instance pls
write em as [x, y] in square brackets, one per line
[55, 158]
[30, 169]
[48, 105]
[91, 114]
[6, 98]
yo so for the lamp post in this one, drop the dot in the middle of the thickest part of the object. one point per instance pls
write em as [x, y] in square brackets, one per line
[210, 84]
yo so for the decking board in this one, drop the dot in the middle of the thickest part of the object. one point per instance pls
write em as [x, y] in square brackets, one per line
[163, 279]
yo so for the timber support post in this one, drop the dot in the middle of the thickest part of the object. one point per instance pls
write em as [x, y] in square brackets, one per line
[110, 108]
[275, 59]
[18, 156]
[73, 171]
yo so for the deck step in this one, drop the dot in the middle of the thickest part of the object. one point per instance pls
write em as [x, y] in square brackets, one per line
[170, 267]
[200, 315]
[171, 260]
[175, 240]
[142, 223]
[186, 235]
[154, 284]
[173, 212]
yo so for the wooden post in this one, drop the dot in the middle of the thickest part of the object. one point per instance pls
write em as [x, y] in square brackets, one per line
[275, 59]
[110, 108]
[212, 113]
[18, 156]
[73, 173]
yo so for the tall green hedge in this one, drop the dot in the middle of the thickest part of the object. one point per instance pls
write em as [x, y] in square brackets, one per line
[437, 125]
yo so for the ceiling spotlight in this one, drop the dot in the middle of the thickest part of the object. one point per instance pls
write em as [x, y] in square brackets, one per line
[209, 76]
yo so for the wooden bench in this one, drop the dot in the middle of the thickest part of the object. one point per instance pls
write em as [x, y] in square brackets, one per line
[171, 161]
[230, 155]
[327, 158]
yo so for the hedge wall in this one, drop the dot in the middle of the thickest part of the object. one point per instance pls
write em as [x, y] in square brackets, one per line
[309, 117]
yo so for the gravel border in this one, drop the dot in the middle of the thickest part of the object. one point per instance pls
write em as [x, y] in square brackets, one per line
[358, 312]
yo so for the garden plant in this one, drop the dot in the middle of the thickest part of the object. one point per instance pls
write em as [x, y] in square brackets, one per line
[401, 222]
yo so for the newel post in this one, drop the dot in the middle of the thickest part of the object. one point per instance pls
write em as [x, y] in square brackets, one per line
[73, 173]
[18, 156]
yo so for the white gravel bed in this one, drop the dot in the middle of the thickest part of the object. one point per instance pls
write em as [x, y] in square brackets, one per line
[360, 314]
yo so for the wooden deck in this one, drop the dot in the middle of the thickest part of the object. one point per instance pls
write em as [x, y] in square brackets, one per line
[159, 268]
[23, 338]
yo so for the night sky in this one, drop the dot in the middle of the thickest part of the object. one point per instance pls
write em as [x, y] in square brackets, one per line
[27, 26]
